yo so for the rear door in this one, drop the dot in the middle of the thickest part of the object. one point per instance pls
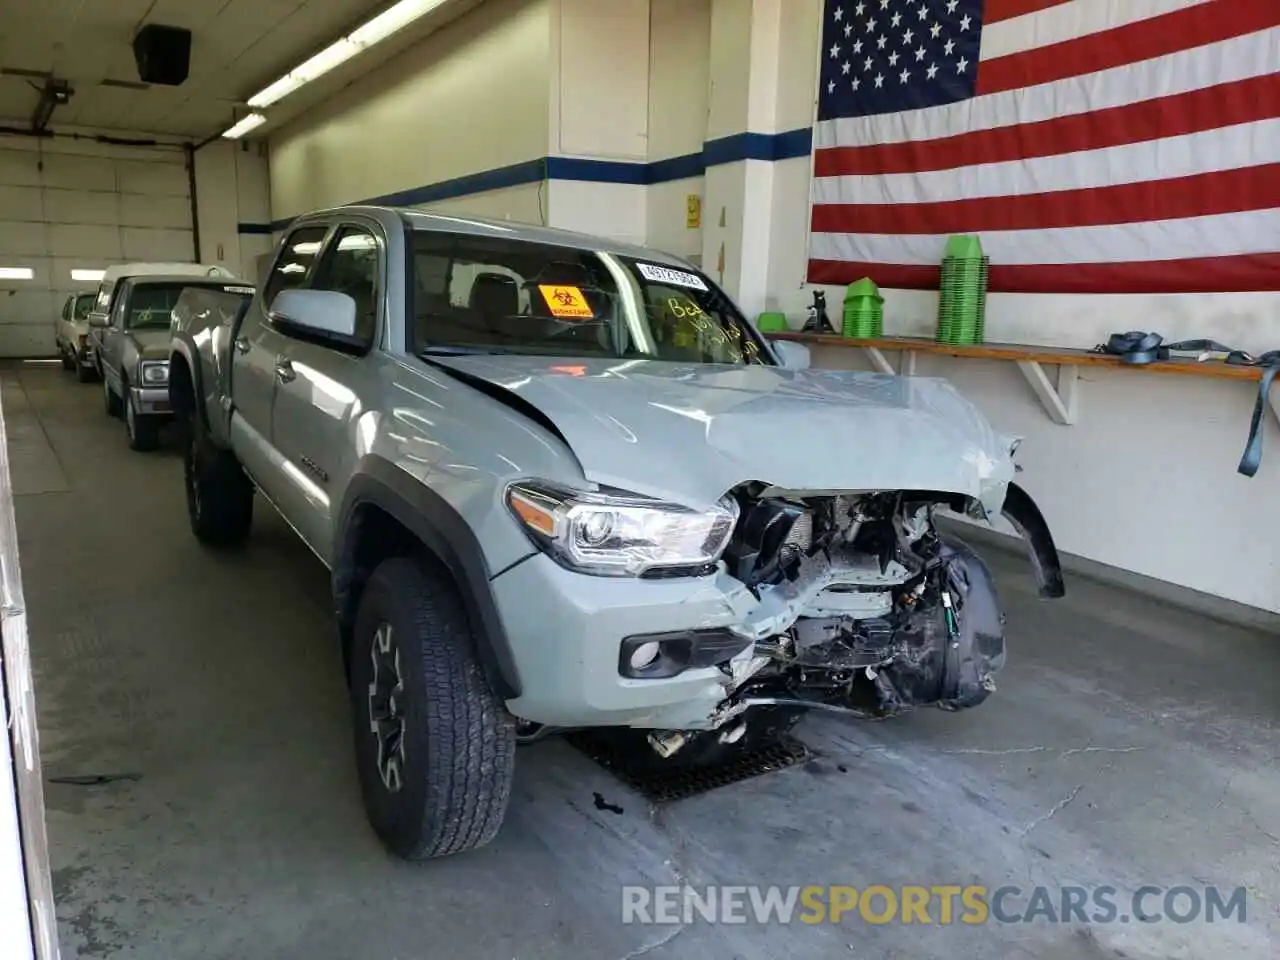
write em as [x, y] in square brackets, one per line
[253, 363]
[319, 382]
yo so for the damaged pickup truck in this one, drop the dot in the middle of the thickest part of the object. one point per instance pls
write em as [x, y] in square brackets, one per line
[562, 483]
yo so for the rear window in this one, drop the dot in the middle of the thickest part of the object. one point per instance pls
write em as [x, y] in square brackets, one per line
[503, 295]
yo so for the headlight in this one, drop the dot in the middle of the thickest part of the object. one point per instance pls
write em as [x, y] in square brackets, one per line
[155, 374]
[620, 535]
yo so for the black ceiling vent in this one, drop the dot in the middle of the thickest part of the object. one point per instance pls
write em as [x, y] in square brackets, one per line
[163, 54]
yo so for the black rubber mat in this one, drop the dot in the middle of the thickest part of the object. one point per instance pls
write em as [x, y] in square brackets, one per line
[636, 769]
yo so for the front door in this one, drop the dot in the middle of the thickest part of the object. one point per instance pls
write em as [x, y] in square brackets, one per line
[254, 377]
[317, 398]
[111, 340]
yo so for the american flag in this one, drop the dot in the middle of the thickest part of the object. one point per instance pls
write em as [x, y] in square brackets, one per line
[1096, 146]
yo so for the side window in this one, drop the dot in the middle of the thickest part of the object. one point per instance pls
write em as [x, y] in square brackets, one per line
[297, 259]
[104, 298]
[121, 308]
[350, 266]
[66, 308]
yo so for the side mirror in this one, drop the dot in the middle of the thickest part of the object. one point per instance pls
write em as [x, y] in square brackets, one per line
[794, 356]
[324, 312]
[97, 319]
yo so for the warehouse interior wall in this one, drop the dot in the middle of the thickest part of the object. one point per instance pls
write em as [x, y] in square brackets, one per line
[462, 116]
[72, 203]
[233, 202]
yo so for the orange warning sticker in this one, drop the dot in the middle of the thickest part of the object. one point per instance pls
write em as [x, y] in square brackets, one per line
[567, 303]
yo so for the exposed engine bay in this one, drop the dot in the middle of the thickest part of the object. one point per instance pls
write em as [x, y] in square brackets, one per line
[864, 608]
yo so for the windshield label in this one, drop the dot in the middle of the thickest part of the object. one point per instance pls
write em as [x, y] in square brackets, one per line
[566, 303]
[679, 278]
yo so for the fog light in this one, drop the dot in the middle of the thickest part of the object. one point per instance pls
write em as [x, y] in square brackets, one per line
[644, 654]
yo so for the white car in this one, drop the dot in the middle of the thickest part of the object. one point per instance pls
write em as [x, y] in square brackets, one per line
[71, 336]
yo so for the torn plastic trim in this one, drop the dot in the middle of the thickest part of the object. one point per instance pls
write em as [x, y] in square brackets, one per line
[1021, 511]
[1025, 517]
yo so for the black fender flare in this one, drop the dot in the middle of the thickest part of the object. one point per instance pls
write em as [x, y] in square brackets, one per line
[180, 348]
[1025, 517]
[445, 536]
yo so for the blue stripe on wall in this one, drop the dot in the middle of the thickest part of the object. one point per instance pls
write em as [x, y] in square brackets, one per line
[769, 147]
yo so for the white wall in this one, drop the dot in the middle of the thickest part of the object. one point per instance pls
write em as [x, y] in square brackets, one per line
[679, 101]
[472, 97]
[232, 189]
[599, 74]
[76, 203]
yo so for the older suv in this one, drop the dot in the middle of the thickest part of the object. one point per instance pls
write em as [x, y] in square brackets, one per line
[71, 336]
[561, 482]
[132, 348]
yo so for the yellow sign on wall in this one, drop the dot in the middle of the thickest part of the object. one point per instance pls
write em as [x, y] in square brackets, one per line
[693, 211]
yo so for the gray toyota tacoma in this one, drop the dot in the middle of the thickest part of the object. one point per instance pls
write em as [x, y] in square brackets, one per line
[563, 483]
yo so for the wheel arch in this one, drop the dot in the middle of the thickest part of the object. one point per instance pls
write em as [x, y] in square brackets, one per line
[384, 513]
[185, 389]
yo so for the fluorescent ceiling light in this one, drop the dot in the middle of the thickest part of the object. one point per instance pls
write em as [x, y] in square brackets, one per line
[391, 20]
[243, 126]
[17, 273]
[87, 276]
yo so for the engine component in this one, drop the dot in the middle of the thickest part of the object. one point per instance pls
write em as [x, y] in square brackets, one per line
[759, 547]
[839, 644]
[880, 614]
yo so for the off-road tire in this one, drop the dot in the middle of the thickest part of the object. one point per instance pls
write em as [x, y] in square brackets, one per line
[65, 357]
[110, 402]
[84, 374]
[459, 740]
[143, 429]
[219, 494]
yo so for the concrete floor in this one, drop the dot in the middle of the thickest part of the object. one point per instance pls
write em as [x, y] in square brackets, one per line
[1129, 744]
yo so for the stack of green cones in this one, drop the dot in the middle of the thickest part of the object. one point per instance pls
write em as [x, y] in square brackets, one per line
[772, 322]
[962, 300]
[863, 310]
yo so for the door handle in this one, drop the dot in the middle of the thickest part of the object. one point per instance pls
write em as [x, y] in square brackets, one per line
[284, 370]
[242, 344]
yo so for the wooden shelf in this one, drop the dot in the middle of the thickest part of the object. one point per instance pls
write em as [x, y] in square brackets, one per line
[1059, 396]
[1016, 351]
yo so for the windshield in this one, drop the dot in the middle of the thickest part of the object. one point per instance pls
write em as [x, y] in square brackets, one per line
[84, 303]
[149, 305]
[498, 295]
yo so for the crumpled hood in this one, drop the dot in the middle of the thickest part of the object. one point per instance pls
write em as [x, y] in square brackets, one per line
[691, 432]
[151, 344]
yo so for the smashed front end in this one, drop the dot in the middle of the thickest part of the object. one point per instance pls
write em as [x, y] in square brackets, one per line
[863, 606]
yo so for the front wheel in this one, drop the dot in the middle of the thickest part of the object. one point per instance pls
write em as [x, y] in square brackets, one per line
[144, 429]
[219, 494]
[435, 746]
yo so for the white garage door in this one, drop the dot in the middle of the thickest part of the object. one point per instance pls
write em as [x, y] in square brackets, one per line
[80, 206]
